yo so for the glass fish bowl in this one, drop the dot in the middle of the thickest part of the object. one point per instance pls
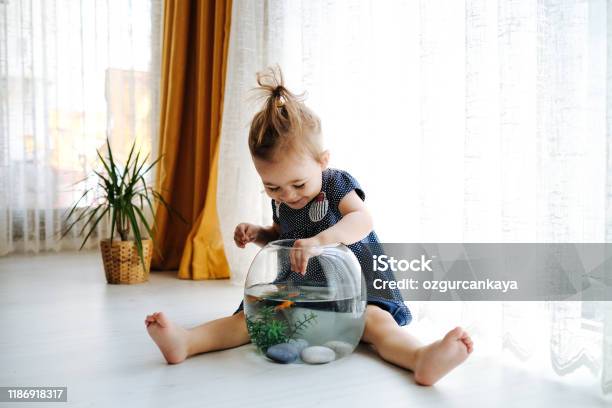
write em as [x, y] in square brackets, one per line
[315, 317]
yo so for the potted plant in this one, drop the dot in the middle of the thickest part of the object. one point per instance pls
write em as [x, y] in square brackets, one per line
[123, 195]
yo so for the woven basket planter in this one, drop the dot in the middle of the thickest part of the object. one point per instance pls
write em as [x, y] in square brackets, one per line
[121, 261]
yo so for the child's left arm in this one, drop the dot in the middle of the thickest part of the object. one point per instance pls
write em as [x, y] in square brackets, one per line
[355, 224]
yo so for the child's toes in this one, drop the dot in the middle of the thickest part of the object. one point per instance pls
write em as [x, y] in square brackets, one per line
[465, 337]
[456, 334]
[161, 319]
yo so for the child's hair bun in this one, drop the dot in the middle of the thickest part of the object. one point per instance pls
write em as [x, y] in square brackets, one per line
[283, 117]
[281, 104]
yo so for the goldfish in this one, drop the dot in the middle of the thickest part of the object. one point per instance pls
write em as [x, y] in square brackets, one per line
[285, 305]
[294, 294]
[253, 299]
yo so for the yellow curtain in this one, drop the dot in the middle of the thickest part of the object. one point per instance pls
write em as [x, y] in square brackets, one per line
[195, 45]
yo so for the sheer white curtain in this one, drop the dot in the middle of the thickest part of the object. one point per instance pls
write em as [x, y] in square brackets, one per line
[475, 121]
[71, 74]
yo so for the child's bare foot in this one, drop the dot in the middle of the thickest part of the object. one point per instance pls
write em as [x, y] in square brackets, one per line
[437, 359]
[170, 338]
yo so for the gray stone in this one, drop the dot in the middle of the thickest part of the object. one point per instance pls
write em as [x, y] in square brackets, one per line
[282, 353]
[318, 355]
[341, 348]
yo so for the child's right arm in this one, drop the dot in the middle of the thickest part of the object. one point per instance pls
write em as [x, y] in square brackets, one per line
[245, 233]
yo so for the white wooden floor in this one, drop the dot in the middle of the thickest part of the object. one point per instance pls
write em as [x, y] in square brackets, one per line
[62, 325]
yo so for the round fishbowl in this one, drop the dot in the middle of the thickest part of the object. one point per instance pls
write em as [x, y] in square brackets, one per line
[313, 317]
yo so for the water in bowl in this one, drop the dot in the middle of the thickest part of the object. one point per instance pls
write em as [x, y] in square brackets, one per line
[277, 313]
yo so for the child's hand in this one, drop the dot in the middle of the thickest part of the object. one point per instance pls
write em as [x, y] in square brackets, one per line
[304, 249]
[245, 233]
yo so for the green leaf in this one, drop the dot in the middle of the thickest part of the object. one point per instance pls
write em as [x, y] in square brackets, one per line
[113, 222]
[95, 224]
[107, 182]
[144, 221]
[79, 218]
[93, 213]
[154, 226]
[136, 230]
[80, 181]
[168, 207]
[151, 165]
[127, 164]
[108, 167]
[150, 206]
[137, 168]
[77, 203]
[112, 162]
[144, 183]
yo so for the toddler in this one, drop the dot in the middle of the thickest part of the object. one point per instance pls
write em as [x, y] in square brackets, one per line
[315, 205]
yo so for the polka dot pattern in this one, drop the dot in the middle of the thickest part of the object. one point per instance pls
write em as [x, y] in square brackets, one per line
[299, 224]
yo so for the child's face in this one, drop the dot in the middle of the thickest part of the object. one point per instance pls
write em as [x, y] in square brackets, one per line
[294, 179]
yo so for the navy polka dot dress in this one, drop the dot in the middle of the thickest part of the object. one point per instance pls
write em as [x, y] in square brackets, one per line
[320, 214]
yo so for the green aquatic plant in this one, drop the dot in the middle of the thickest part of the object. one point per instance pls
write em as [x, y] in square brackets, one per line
[265, 330]
[302, 324]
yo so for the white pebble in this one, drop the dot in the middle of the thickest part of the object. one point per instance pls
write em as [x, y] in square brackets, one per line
[341, 348]
[318, 355]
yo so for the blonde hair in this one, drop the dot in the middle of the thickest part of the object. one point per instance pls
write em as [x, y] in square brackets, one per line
[284, 122]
